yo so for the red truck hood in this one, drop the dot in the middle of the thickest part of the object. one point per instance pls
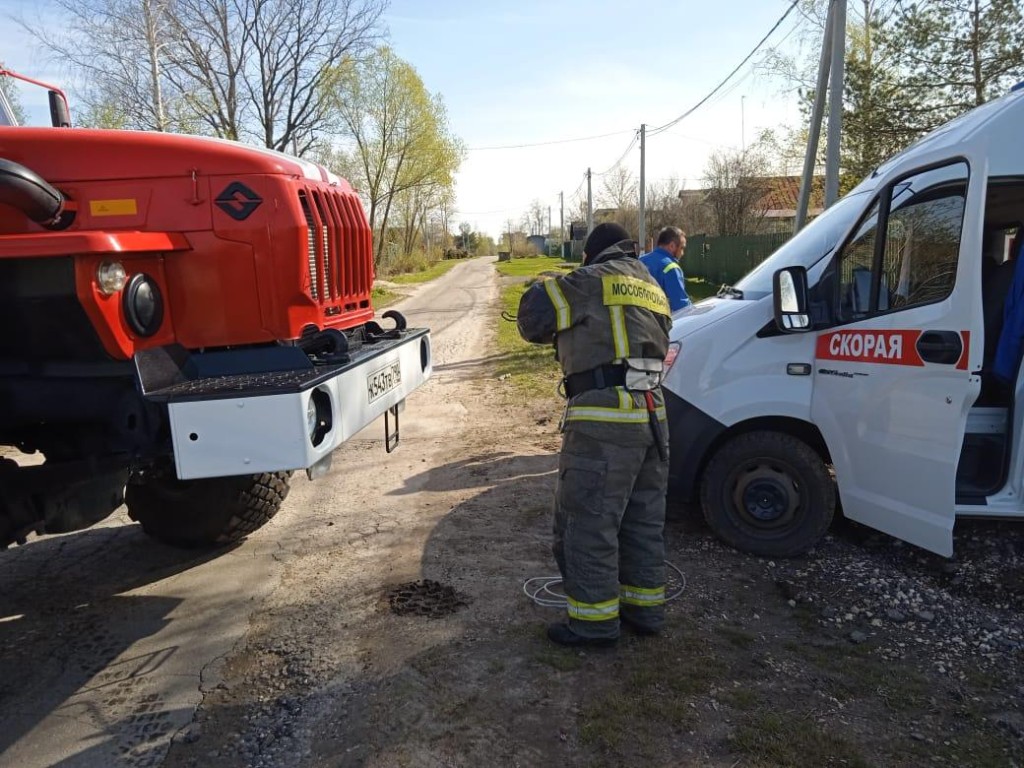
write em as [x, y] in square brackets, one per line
[68, 155]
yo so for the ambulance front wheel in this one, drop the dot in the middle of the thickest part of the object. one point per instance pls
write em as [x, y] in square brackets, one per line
[768, 493]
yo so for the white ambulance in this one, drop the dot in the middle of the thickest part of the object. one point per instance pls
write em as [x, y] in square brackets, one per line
[854, 366]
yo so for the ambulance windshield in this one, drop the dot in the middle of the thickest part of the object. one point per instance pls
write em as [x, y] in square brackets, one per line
[814, 242]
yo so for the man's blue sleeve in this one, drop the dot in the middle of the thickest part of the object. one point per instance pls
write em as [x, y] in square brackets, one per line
[1011, 340]
[673, 283]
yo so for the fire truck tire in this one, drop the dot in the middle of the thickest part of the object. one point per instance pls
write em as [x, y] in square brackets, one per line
[206, 513]
[768, 493]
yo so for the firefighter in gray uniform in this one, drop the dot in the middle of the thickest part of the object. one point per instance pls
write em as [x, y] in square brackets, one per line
[609, 322]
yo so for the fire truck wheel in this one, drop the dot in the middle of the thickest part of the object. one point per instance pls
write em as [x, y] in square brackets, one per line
[206, 513]
[768, 493]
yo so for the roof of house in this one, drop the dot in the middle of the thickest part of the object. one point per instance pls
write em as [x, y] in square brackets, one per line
[784, 191]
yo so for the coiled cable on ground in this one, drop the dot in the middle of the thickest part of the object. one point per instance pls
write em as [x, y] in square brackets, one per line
[540, 589]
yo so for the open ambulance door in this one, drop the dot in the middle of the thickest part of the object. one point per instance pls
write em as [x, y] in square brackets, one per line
[894, 374]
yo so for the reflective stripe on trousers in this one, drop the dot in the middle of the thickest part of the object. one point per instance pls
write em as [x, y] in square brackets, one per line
[642, 597]
[609, 609]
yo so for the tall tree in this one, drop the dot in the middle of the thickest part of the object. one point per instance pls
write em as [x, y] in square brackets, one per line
[880, 114]
[960, 53]
[399, 131]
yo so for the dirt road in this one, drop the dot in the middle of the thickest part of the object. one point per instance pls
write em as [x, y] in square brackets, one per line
[110, 641]
[291, 651]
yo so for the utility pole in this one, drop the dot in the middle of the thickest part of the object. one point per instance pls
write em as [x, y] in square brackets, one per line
[817, 111]
[643, 187]
[835, 104]
[561, 218]
[590, 206]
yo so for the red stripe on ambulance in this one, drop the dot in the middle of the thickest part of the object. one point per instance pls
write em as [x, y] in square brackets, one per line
[961, 364]
[887, 347]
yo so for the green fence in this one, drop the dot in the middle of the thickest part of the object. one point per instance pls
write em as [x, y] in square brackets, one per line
[727, 259]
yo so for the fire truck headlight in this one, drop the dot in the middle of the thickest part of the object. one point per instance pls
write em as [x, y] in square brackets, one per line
[143, 305]
[110, 277]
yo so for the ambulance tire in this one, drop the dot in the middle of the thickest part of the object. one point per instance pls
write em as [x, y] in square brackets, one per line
[768, 493]
[211, 512]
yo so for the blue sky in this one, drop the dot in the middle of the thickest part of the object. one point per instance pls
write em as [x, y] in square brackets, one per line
[524, 71]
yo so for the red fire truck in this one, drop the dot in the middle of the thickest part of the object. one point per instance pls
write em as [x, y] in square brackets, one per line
[184, 321]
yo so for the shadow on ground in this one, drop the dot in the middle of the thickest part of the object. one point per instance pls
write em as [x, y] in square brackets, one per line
[64, 618]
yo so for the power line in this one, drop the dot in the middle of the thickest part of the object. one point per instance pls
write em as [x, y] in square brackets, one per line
[748, 57]
[546, 143]
[615, 165]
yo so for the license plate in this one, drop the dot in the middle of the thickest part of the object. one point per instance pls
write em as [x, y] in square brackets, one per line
[383, 380]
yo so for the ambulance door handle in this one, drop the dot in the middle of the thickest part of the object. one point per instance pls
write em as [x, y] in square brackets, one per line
[940, 347]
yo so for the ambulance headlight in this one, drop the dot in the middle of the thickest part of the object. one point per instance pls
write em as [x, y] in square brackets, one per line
[670, 356]
[318, 416]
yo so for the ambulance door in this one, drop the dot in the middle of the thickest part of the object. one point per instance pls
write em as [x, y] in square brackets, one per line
[893, 376]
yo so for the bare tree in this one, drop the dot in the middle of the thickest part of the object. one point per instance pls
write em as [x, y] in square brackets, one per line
[118, 51]
[241, 69]
[735, 191]
[535, 221]
[663, 206]
[261, 69]
[620, 196]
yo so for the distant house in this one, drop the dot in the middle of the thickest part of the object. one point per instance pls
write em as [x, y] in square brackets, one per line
[774, 208]
[780, 201]
[538, 242]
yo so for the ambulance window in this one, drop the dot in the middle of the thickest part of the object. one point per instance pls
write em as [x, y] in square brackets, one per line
[857, 261]
[918, 258]
[923, 239]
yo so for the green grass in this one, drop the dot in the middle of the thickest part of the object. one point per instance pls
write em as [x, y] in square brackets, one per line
[531, 368]
[382, 297]
[736, 636]
[697, 289]
[650, 697]
[432, 272]
[533, 266]
[849, 673]
[775, 738]
[561, 659]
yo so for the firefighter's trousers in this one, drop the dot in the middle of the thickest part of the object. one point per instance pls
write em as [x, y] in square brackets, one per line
[609, 524]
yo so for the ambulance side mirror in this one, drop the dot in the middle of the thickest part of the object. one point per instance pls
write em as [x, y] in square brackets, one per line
[789, 289]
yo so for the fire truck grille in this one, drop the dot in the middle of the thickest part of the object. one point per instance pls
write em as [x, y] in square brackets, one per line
[339, 250]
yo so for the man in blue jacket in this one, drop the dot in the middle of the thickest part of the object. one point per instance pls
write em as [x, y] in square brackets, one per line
[663, 263]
